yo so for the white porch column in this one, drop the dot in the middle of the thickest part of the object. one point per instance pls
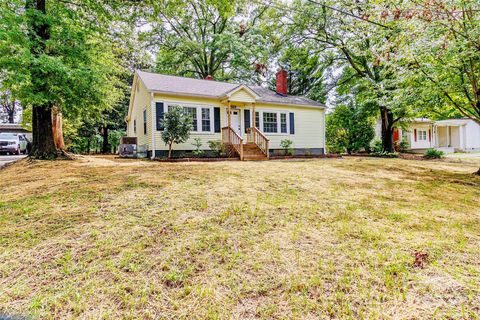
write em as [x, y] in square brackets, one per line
[461, 137]
[448, 136]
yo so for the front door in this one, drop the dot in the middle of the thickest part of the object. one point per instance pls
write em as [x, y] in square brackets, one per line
[235, 118]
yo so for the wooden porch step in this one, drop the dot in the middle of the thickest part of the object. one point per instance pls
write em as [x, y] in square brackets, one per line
[252, 152]
[254, 157]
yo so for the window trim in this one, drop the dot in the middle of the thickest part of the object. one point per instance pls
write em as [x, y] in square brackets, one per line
[273, 123]
[279, 124]
[198, 106]
[420, 135]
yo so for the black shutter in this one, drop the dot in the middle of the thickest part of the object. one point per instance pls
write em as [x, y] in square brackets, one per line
[246, 114]
[159, 112]
[216, 119]
[292, 123]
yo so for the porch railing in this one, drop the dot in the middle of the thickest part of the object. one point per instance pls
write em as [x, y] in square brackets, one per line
[254, 135]
[231, 138]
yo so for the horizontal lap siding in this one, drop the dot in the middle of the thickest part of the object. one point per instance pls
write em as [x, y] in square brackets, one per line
[309, 127]
[309, 124]
[472, 133]
[142, 101]
[242, 96]
[421, 144]
[204, 137]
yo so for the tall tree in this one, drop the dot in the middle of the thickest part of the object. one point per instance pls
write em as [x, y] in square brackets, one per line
[208, 38]
[55, 55]
[306, 71]
[133, 55]
[360, 44]
[442, 55]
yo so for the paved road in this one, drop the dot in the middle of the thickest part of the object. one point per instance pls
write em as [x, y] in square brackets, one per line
[7, 159]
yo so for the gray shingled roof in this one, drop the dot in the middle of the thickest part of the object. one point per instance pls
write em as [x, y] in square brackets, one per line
[215, 89]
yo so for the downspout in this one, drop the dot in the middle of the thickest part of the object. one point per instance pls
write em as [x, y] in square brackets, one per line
[324, 131]
[153, 126]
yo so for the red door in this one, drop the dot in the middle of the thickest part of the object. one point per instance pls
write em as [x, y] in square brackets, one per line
[396, 135]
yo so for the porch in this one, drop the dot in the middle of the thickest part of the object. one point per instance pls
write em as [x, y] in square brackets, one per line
[246, 141]
[449, 138]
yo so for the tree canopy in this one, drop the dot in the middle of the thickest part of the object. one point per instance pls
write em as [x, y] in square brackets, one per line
[221, 38]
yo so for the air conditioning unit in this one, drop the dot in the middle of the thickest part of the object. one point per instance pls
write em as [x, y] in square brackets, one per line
[128, 147]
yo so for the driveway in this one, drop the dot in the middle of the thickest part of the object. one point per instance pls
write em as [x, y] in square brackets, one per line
[473, 157]
[7, 159]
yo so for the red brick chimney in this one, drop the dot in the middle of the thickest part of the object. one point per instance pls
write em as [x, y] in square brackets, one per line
[282, 79]
[209, 77]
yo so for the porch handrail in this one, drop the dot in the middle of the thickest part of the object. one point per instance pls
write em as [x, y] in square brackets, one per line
[256, 136]
[231, 137]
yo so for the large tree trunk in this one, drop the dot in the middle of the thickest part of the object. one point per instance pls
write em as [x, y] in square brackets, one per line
[43, 146]
[106, 146]
[57, 127]
[11, 115]
[387, 129]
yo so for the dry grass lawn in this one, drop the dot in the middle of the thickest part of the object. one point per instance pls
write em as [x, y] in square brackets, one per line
[308, 239]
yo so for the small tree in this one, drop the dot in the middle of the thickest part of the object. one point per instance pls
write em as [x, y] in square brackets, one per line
[177, 126]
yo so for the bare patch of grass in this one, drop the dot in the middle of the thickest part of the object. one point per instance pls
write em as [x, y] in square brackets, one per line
[100, 237]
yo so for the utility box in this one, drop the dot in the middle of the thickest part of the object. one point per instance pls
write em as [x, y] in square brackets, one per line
[128, 147]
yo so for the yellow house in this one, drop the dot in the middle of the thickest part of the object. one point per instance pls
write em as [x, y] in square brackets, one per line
[251, 119]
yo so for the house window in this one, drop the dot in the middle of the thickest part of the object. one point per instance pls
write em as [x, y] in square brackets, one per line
[283, 122]
[270, 123]
[206, 119]
[144, 121]
[134, 126]
[201, 116]
[422, 135]
[192, 112]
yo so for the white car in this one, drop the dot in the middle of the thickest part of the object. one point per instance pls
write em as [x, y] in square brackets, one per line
[13, 143]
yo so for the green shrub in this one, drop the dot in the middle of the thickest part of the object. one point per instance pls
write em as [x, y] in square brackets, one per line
[433, 154]
[404, 145]
[218, 147]
[197, 144]
[377, 146]
[386, 154]
[377, 150]
[286, 145]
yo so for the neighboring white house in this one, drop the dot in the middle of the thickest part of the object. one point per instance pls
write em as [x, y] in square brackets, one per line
[453, 135]
[252, 119]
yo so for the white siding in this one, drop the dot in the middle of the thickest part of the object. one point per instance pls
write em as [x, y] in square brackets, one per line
[141, 102]
[309, 124]
[421, 144]
[472, 135]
